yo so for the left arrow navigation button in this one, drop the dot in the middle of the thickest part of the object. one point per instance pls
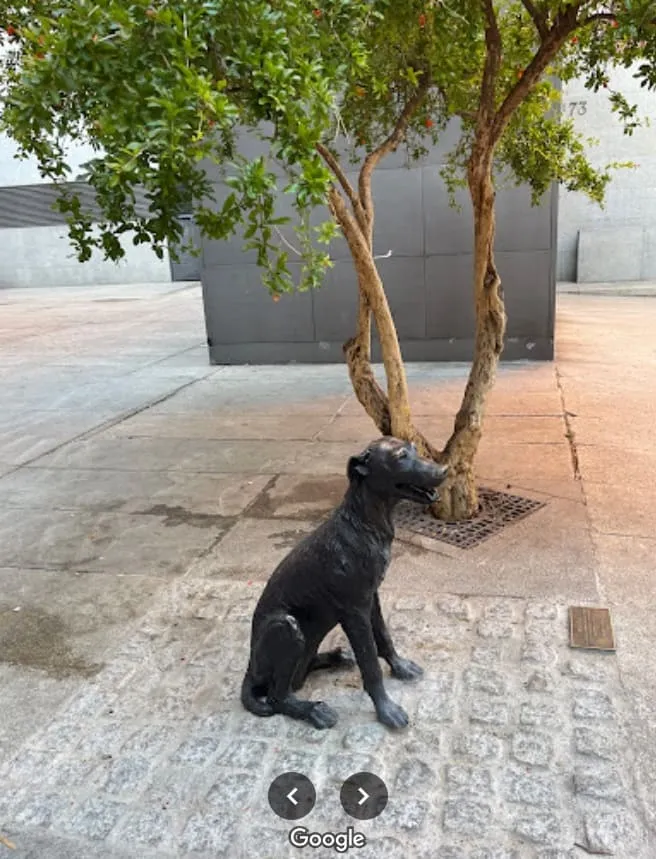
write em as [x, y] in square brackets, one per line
[292, 796]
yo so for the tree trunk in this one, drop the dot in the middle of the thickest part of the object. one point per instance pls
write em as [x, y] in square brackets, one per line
[390, 412]
[458, 495]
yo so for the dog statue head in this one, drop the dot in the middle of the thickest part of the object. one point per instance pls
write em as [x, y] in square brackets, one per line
[393, 469]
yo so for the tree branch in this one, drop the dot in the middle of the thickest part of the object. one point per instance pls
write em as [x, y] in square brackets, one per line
[598, 16]
[336, 167]
[493, 47]
[564, 24]
[390, 144]
[539, 18]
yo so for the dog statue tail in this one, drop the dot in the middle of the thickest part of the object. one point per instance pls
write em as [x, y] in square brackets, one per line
[254, 704]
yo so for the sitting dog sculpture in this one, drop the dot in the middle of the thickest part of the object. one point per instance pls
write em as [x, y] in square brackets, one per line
[332, 577]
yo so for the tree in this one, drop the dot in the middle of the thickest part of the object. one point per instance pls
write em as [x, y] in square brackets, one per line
[156, 88]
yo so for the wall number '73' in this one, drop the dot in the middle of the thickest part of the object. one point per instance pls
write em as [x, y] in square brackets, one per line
[577, 108]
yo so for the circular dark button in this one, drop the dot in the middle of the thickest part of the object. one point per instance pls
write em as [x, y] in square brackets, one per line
[292, 796]
[364, 796]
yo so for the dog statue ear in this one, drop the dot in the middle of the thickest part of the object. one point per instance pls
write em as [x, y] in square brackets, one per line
[357, 466]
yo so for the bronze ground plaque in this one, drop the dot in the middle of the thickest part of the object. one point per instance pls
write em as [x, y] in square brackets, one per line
[590, 628]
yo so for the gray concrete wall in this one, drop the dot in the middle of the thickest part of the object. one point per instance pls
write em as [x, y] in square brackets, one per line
[34, 245]
[617, 242]
[428, 278]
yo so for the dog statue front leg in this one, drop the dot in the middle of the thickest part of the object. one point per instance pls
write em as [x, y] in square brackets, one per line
[357, 626]
[403, 669]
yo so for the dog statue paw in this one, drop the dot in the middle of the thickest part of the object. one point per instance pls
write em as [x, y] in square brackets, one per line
[391, 714]
[406, 669]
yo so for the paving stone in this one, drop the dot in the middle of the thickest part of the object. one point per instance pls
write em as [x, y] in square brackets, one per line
[451, 853]
[539, 680]
[151, 827]
[410, 603]
[455, 607]
[607, 833]
[291, 760]
[468, 781]
[71, 772]
[489, 654]
[242, 754]
[41, 809]
[477, 744]
[232, 789]
[209, 833]
[493, 628]
[590, 705]
[557, 854]
[195, 751]
[594, 742]
[529, 788]
[414, 773]
[541, 611]
[364, 738]
[95, 818]
[127, 775]
[600, 782]
[539, 714]
[383, 848]
[493, 853]
[406, 814]
[532, 748]
[174, 786]
[489, 711]
[537, 651]
[586, 669]
[340, 767]
[540, 827]
[149, 741]
[467, 816]
[485, 680]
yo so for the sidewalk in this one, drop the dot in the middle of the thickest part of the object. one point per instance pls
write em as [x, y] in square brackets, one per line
[144, 499]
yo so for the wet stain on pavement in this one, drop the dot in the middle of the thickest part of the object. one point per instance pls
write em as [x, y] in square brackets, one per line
[35, 639]
[179, 515]
[308, 500]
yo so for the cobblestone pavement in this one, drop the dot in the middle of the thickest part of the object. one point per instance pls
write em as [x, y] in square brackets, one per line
[517, 746]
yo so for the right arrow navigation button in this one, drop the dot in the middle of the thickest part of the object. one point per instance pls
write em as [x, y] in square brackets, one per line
[363, 796]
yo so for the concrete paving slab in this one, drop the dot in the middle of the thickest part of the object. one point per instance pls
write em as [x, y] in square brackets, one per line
[549, 554]
[523, 462]
[620, 509]
[627, 575]
[608, 465]
[230, 427]
[161, 541]
[130, 492]
[206, 455]
[252, 549]
[304, 497]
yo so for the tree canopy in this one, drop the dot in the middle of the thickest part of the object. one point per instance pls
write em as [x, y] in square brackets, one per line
[157, 88]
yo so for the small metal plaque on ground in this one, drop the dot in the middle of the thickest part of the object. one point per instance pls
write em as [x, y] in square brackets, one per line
[496, 510]
[590, 628]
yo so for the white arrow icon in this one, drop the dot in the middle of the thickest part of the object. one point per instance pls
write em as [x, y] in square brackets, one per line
[290, 796]
[365, 796]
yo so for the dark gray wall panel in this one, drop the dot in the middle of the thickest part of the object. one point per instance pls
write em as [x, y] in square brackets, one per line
[520, 226]
[428, 279]
[238, 309]
[336, 303]
[449, 296]
[525, 278]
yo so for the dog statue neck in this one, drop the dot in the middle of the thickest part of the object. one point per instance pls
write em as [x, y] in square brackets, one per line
[368, 509]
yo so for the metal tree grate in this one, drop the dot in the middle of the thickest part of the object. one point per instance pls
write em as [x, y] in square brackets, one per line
[496, 510]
